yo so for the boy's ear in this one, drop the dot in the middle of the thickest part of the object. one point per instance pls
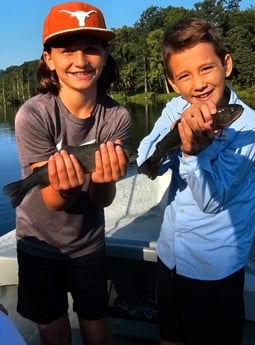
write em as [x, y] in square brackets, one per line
[48, 60]
[173, 85]
[228, 65]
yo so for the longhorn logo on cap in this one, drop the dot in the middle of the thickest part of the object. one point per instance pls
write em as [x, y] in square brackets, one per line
[79, 15]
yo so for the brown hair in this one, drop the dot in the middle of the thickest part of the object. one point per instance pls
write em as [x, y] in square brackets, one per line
[185, 34]
[48, 80]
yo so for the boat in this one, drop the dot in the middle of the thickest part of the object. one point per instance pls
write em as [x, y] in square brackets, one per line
[132, 228]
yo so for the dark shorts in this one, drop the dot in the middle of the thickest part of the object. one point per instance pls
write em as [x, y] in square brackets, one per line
[44, 283]
[200, 312]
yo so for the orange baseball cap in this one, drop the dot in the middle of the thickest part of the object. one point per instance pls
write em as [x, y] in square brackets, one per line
[75, 17]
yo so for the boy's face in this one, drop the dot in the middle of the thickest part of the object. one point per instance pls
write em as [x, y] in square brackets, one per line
[78, 61]
[198, 73]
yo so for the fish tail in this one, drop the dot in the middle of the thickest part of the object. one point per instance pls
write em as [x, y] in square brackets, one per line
[148, 169]
[16, 191]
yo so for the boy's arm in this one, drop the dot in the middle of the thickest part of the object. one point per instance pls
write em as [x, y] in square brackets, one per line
[66, 180]
[111, 165]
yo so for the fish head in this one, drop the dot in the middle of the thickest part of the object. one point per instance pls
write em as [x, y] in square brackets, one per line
[226, 115]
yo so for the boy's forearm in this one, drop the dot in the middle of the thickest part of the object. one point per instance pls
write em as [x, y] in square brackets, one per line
[59, 200]
[102, 194]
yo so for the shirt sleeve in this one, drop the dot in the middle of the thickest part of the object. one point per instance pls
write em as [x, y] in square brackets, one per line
[161, 128]
[216, 175]
[32, 134]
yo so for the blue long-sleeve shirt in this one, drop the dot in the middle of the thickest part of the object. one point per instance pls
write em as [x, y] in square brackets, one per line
[209, 223]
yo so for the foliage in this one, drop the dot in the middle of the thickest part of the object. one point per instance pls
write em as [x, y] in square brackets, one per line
[137, 51]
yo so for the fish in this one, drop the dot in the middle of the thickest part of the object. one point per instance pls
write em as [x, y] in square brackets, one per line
[224, 116]
[85, 155]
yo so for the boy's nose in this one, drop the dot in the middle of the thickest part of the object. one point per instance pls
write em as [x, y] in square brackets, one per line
[199, 83]
[80, 58]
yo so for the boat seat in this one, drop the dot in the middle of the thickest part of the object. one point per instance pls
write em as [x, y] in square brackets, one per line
[8, 271]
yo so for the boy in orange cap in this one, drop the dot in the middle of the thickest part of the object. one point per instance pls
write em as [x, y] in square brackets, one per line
[60, 228]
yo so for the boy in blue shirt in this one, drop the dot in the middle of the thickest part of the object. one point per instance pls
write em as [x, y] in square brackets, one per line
[208, 225]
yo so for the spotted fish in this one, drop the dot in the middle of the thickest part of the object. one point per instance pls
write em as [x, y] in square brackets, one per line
[86, 157]
[224, 116]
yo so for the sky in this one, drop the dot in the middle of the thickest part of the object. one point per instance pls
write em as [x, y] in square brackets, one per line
[21, 22]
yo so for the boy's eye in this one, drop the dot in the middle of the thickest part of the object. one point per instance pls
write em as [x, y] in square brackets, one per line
[87, 50]
[67, 50]
[183, 76]
[207, 68]
[91, 49]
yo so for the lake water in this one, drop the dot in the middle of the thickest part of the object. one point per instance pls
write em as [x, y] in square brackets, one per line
[143, 118]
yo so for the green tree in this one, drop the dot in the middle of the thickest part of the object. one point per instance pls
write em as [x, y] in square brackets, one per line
[124, 51]
[241, 43]
[137, 50]
[155, 74]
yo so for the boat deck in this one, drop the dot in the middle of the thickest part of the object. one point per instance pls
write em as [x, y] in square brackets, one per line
[140, 339]
[139, 331]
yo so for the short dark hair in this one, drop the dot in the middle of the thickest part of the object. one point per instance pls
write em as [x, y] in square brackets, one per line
[186, 33]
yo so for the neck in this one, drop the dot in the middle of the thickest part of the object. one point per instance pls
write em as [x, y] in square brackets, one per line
[79, 104]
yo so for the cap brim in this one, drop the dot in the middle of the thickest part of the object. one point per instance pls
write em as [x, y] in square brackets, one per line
[106, 35]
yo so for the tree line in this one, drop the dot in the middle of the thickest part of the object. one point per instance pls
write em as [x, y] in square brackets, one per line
[136, 50]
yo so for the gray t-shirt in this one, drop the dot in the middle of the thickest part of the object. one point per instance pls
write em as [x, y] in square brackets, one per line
[43, 125]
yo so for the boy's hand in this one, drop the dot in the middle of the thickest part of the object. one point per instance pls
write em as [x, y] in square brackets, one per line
[65, 172]
[111, 163]
[195, 127]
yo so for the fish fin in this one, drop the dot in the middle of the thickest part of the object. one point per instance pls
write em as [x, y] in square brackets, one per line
[147, 169]
[16, 192]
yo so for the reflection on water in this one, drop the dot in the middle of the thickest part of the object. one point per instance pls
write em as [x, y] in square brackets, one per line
[10, 171]
[143, 117]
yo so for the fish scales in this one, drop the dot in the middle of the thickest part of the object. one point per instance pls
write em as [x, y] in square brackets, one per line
[224, 116]
[85, 155]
